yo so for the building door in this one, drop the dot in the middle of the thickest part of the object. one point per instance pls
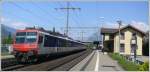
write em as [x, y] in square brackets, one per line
[133, 46]
[122, 48]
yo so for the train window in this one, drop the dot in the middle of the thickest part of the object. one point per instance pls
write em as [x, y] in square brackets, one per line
[49, 41]
[20, 33]
[40, 39]
[31, 33]
[46, 41]
[20, 39]
[31, 39]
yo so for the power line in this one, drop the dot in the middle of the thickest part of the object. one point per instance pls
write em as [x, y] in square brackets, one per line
[29, 11]
[14, 15]
[43, 10]
[60, 4]
[82, 27]
[75, 17]
[68, 8]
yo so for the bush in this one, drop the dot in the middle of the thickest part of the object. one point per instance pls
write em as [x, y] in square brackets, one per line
[126, 65]
[144, 66]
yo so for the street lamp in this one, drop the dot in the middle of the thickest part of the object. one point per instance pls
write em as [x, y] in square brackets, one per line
[134, 45]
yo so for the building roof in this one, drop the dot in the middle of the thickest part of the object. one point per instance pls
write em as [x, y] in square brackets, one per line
[108, 30]
[113, 31]
[130, 26]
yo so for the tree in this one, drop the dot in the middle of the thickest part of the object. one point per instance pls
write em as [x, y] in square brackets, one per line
[8, 40]
[146, 44]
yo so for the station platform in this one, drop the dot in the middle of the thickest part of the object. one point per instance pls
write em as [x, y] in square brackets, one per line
[7, 56]
[97, 61]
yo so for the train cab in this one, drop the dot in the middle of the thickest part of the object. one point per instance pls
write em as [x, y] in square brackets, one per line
[25, 43]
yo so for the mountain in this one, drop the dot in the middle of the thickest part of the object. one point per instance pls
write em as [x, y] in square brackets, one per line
[94, 37]
[6, 31]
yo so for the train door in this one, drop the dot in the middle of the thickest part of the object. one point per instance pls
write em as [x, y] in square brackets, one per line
[41, 43]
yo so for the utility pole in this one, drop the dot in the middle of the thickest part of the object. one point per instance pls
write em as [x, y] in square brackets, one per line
[120, 23]
[82, 35]
[102, 22]
[68, 8]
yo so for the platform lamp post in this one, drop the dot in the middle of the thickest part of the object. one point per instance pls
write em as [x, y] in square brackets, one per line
[134, 46]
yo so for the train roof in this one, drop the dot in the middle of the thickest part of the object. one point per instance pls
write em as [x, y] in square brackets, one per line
[51, 33]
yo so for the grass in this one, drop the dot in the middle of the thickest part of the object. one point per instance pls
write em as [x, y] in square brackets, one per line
[126, 65]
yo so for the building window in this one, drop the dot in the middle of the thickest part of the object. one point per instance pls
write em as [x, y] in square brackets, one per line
[122, 36]
[121, 47]
[133, 35]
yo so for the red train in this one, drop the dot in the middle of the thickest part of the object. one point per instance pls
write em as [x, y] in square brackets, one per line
[31, 43]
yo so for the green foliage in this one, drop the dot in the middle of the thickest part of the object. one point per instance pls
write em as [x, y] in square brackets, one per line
[127, 65]
[8, 40]
[144, 66]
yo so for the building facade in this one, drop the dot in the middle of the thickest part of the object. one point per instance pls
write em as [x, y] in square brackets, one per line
[130, 38]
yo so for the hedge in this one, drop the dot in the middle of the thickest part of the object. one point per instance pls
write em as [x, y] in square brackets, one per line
[128, 65]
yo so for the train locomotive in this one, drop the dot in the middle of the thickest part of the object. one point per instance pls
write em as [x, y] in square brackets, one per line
[31, 43]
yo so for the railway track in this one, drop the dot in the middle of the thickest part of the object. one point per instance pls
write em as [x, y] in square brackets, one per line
[13, 67]
[8, 62]
[57, 64]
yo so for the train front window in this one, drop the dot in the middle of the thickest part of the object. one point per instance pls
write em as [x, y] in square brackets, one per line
[31, 33]
[20, 39]
[30, 39]
[26, 37]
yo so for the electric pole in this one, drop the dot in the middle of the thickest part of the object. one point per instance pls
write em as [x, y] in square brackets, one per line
[102, 22]
[68, 8]
[82, 35]
[120, 23]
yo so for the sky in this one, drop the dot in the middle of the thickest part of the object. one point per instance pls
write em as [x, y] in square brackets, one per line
[21, 14]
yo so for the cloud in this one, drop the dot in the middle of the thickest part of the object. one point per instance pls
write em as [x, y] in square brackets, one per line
[19, 25]
[13, 24]
[112, 25]
[138, 24]
[2, 19]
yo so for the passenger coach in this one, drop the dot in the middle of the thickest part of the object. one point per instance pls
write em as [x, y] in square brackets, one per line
[31, 43]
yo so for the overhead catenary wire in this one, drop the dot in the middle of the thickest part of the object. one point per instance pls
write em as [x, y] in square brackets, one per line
[68, 8]
[29, 11]
[44, 11]
[75, 17]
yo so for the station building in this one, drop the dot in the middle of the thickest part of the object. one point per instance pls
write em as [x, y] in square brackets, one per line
[130, 38]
